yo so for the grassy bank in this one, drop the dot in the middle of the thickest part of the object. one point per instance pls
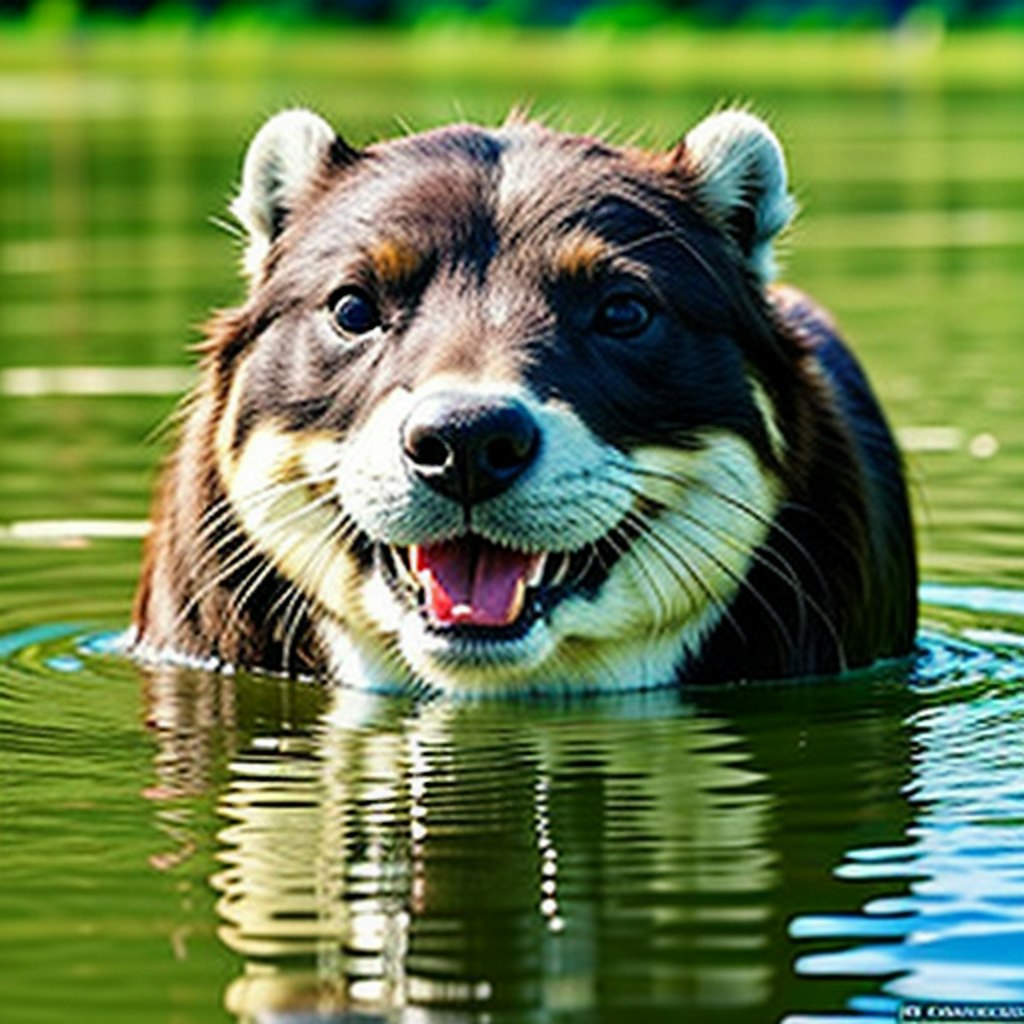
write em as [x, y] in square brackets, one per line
[734, 63]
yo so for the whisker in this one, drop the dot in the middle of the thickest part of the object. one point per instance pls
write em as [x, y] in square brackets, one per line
[225, 512]
[279, 526]
[294, 614]
[240, 596]
[679, 566]
[689, 481]
[772, 560]
[620, 540]
[245, 552]
[246, 548]
[298, 600]
[670, 554]
[229, 227]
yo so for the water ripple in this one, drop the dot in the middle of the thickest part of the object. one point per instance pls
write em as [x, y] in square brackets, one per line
[374, 856]
[953, 922]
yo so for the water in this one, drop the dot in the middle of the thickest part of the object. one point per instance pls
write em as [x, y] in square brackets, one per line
[187, 848]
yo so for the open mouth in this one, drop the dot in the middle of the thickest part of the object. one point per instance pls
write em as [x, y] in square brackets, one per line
[471, 586]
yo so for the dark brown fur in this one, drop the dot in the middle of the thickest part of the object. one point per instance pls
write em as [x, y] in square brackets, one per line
[834, 585]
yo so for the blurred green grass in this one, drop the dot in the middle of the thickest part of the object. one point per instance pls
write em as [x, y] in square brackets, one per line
[120, 144]
[920, 55]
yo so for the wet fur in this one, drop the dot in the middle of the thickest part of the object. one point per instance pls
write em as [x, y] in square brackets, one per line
[486, 243]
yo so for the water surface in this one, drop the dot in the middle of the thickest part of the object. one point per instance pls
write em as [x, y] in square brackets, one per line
[183, 847]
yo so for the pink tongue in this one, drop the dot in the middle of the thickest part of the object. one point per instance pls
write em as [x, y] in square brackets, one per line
[471, 582]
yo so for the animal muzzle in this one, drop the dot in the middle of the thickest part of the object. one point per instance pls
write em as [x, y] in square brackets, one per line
[470, 448]
[467, 447]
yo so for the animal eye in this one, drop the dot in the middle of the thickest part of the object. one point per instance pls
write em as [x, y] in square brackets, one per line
[622, 316]
[353, 312]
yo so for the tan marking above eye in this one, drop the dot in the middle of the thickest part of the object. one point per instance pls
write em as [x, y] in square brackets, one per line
[394, 262]
[582, 254]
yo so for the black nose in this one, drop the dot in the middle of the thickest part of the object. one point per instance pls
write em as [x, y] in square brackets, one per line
[469, 447]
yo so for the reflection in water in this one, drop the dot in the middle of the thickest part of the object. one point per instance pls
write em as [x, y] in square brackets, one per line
[642, 864]
[192, 715]
[478, 859]
[641, 860]
[952, 927]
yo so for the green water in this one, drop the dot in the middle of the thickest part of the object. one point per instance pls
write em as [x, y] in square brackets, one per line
[185, 848]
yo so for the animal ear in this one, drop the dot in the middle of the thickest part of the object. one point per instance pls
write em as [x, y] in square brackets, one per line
[739, 173]
[283, 160]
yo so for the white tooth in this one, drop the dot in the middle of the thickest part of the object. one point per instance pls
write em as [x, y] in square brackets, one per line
[518, 600]
[537, 570]
[561, 572]
[404, 572]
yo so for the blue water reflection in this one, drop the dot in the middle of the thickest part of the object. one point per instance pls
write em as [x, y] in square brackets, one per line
[953, 928]
[805, 853]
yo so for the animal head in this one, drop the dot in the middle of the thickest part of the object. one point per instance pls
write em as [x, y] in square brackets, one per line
[505, 407]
